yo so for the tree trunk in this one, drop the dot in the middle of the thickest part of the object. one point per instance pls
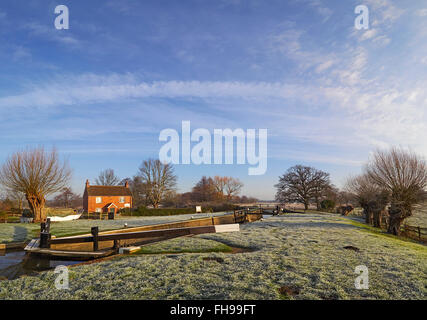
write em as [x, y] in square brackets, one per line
[305, 206]
[394, 223]
[397, 214]
[36, 204]
[368, 216]
[318, 204]
[377, 217]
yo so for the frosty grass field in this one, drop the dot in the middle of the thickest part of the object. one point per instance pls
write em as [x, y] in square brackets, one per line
[18, 232]
[304, 252]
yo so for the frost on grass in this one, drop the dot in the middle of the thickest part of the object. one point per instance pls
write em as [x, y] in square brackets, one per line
[184, 245]
[18, 232]
[301, 251]
[419, 216]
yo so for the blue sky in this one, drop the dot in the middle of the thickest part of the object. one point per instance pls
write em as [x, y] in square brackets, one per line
[102, 90]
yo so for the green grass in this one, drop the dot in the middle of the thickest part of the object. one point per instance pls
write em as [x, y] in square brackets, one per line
[404, 242]
[419, 216]
[184, 245]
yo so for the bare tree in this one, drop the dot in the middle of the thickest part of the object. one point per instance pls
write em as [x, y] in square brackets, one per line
[159, 179]
[107, 178]
[204, 190]
[232, 187]
[404, 175]
[219, 184]
[18, 198]
[321, 186]
[344, 198]
[372, 198]
[302, 184]
[36, 174]
[139, 190]
[67, 198]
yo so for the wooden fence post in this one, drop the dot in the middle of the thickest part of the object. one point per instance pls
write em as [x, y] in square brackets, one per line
[44, 240]
[94, 231]
[45, 235]
[419, 232]
[47, 225]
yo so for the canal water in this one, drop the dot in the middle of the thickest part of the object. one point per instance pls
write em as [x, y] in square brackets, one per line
[14, 264]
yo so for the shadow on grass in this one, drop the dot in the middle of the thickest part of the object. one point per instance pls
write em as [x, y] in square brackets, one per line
[20, 234]
[232, 245]
[313, 224]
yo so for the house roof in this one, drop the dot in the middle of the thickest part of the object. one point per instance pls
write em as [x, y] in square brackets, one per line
[110, 204]
[100, 191]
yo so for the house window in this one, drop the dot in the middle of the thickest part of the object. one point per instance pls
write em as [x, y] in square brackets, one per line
[98, 210]
[98, 199]
[122, 199]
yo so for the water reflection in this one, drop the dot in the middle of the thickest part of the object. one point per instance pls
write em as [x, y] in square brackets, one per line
[14, 264]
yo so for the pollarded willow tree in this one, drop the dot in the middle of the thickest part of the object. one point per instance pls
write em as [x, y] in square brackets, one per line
[404, 175]
[371, 197]
[36, 174]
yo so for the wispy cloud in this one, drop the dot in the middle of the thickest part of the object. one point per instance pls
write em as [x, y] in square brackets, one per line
[22, 53]
[422, 12]
[51, 34]
[327, 93]
[90, 88]
[311, 157]
[371, 113]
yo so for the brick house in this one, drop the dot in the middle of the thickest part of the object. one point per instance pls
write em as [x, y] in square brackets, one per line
[106, 199]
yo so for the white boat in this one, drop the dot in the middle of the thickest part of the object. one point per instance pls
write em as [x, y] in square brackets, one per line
[66, 218]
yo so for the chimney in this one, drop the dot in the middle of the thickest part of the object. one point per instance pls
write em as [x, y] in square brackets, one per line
[87, 183]
[127, 184]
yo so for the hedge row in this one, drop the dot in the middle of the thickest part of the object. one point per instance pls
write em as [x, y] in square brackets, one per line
[144, 211]
[5, 216]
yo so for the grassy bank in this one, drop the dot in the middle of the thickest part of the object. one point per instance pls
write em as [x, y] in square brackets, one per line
[185, 245]
[18, 232]
[419, 217]
[302, 251]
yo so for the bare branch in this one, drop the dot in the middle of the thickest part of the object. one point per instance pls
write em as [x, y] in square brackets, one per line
[36, 174]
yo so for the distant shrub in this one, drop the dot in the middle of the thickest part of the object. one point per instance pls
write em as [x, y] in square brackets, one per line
[27, 213]
[219, 207]
[6, 217]
[144, 211]
[327, 204]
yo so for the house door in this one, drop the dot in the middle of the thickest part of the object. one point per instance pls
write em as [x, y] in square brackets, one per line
[111, 213]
